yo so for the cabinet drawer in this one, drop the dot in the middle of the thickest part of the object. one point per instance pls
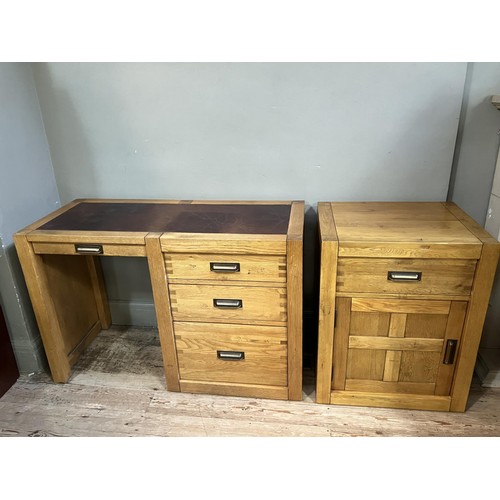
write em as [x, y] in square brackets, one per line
[232, 353]
[270, 268]
[405, 276]
[228, 303]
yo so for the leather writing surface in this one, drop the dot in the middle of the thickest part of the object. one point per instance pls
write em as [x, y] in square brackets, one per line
[184, 218]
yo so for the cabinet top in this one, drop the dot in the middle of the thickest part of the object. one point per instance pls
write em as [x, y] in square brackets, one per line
[402, 228]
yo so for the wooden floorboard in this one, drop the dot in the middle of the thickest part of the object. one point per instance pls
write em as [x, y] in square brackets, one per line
[118, 389]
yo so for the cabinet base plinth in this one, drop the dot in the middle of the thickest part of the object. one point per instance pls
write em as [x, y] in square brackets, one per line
[400, 401]
[242, 390]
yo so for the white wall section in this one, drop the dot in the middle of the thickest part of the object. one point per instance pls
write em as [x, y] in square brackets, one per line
[27, 192]
[326, 131]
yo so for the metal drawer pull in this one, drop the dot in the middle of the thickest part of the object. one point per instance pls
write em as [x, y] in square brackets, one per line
[228, 303]
[93, 249]
[449, 354]
[231, 355]
[225, 267]
[403, 276]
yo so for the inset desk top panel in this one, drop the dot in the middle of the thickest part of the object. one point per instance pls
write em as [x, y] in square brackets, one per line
[182, 217]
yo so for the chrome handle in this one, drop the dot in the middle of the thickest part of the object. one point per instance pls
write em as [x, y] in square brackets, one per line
[404, 276]
[231, 355]
[225, 267]
[89, 249]
[228, 303]
[451, 349]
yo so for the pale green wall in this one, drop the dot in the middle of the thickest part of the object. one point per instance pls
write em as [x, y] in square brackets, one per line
[474, 167]
[262, 131]
[478, 141]
[27, 192]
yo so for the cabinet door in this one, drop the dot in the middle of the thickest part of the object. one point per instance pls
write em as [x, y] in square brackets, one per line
[400, 346]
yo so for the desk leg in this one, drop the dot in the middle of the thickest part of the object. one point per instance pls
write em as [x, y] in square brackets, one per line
[294, 269]
[43, 307]
[62, 291]
[328, 245]
[161, 297]
[294, 312]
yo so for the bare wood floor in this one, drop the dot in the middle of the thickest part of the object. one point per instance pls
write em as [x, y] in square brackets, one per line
[118, 389]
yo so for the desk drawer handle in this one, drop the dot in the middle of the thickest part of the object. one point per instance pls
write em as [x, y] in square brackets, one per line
[451, 349]
[228, 303]
[225, 267]
[89, 249]
[404, 276]
[231, 355]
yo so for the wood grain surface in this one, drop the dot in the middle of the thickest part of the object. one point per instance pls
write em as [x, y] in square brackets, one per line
[412, 288]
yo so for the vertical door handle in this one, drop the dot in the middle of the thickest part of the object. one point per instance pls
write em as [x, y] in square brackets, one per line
[450, 351]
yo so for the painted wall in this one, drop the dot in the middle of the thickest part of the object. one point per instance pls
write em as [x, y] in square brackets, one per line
[263, 131]
[474, 169]
[27, 192]
[491, 331]
[477, 142]
[317, 132]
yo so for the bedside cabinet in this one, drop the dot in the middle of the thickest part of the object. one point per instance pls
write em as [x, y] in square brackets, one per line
[404, 289]
[226, 280]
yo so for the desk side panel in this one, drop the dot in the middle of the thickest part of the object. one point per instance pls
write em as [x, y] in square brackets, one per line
[159, 283]
[328, 243]
[61, 289]
[71, 291]
[473, 328]
[294, 300]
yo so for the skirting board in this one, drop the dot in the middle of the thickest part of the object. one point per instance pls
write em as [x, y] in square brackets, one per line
[30, 357]
[488, 367]
[132, 313]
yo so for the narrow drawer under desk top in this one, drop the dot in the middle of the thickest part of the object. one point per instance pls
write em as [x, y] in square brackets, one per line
[405, 276]
[231, 268]
[245, 354]
[78, 247]
[228, 303]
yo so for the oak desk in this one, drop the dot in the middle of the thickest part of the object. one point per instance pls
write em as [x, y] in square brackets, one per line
[226, 280]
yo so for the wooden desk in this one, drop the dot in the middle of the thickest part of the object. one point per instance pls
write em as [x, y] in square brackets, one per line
[226, 280]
